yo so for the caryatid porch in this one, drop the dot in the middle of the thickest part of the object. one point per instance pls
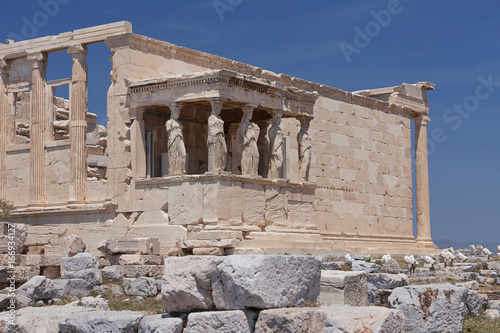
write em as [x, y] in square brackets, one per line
[214, 139]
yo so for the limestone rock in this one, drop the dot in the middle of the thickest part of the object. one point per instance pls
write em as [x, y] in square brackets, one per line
[72, 245]
[364, 266]
[161, 323]
[474, 302]
[220, 321]
[265, 282]
[112, 273]
[387, 281]
[331, 319]
[392, 266]
[38, 287]
[492, 314]
[91, 302]
[22, 300]
[494, 304]
[133, 271]
[472, 285]
[343, 287]
[142, 286]
[80, 261]
[494, 265]
[186, 283]
[431, 308]
[101, 321]
[332, 265]
[130, 246]
[38, 319]
[91, 275]
[4, 301]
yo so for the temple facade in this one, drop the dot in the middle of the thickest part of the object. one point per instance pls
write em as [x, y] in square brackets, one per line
[209, 155]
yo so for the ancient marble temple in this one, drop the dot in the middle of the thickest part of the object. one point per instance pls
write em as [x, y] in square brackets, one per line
[208, 154]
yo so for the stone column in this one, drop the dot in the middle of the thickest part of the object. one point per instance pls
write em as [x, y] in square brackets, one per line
[216, 141]
[4, 123]
[38, 136]
[305, 146]
[249, 135]
[422, 180]
[78, 125]
[276, 146]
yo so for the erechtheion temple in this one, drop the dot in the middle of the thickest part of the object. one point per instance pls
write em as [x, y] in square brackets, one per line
[208, 154]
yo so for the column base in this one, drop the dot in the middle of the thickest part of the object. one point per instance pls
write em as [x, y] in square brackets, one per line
[426, 243]
[76, 203]
[37, 205]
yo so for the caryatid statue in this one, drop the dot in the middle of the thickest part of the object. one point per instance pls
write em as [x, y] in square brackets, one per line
[216, 141]
[276, 144]
[176, 147]
[305, 144]
[249, 134]
[263, 145]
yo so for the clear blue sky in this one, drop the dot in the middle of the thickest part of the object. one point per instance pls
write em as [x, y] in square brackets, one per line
[449, 43]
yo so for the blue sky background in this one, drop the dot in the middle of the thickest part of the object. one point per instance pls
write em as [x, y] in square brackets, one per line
[449, 43]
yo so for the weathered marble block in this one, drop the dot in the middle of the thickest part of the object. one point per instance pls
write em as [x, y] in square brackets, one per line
[343, 287]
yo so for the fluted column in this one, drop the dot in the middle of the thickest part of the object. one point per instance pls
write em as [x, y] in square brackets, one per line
[78, 124]
[422, 180]
[38, 118]
[4, 121]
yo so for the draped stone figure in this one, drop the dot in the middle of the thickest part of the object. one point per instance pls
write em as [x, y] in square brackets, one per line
[216, 142]
[250, 152]
[263, 146]
[176, 147]
[276, 144]
[305, 144]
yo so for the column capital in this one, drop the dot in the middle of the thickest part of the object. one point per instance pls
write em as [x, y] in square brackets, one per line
[305, 121]
[216, 103]
[423, 119]
[36, 56]
[77, 49]
[175, 109]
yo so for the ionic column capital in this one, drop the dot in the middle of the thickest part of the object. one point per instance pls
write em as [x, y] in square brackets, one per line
[77, 49]
[423, 119]
[36, 57]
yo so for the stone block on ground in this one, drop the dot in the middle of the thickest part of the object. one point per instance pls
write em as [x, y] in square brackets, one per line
[265, 282]
[380, 287]
[72, 245]
[21, 273]
[186, 283]
[331, 319]
[343, 287]
[142, 286]
[162, 323]
[392, 266]
[101, 321]
[38, 288]
[38, 319]
[80, 261]
[363, 266]
[494, 265]
[97, 303]
[217, 322]
[112, 273]
[431, 308]
[133, 271]
[130, 246]
[332, 265]
[91, 275]
[42, 260]
[140, 259]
